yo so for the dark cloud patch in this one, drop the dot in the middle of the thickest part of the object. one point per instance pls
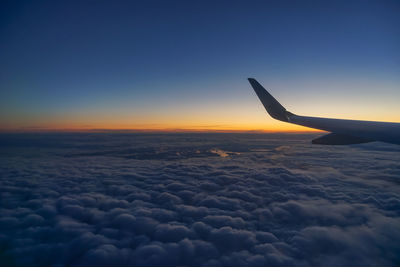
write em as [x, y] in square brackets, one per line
[197, 199]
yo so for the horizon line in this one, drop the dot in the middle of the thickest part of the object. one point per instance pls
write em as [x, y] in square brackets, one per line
[165, 130]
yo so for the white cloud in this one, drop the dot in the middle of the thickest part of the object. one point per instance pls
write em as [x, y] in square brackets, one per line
[122, 200]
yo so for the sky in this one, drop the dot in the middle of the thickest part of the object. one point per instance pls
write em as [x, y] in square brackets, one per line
[173, 65]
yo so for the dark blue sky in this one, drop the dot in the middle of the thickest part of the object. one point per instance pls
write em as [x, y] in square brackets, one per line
[72, 61]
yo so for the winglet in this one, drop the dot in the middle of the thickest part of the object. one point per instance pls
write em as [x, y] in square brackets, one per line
[273, 107]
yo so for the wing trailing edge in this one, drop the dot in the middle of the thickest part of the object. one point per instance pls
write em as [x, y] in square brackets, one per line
[339, 139]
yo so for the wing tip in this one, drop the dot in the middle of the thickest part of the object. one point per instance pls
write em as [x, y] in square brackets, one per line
[273, 107]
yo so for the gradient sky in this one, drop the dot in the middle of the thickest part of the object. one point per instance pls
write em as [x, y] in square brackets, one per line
[184, 64]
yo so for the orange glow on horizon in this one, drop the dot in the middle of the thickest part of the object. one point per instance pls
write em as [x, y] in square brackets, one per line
[212, 119]
[280, 127]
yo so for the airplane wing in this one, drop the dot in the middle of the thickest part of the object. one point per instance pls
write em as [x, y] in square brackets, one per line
[342, 132]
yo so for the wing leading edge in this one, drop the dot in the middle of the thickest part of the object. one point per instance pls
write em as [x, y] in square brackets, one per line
[343, 132]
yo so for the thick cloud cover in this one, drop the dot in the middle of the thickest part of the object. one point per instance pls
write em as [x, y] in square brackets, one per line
[197, 199]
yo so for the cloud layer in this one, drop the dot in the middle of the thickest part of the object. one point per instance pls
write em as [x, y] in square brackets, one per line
[197, 199]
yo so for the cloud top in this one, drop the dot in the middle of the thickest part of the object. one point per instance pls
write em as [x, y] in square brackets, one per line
[117, 200]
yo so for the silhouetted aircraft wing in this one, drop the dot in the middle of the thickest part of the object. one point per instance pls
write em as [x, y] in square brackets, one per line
[343, 132]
